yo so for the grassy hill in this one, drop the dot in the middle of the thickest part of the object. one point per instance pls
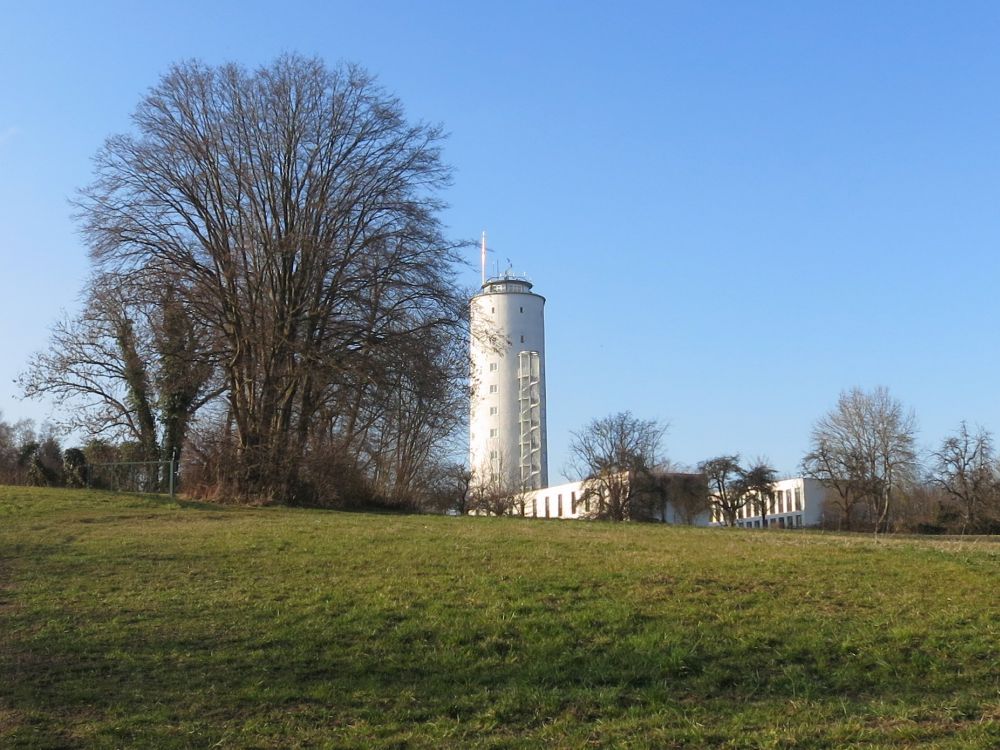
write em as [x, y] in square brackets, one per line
[135, 622]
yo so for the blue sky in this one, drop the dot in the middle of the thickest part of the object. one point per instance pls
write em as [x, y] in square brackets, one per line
[735, 210]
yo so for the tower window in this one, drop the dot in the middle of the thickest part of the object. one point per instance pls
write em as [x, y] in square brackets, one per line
[493, 366]
[522, 339]
[493, 411]
[493, 388]
[493, 309]
[493, 432]
[522, 309]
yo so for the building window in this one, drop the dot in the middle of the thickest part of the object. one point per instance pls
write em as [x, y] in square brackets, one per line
[586, 503]
[560, 507]
[522, 339]
[493, 454]
[798, 521]
[493, 432]
[493, 388]
[572, 502]
[493, 411]
[522, 309]
[798, 498]
[547, 514]
[493, 309]
[493, 366]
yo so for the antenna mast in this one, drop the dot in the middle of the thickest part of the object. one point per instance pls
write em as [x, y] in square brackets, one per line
[482, 259]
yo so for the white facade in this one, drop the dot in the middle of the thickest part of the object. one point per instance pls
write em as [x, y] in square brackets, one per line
[561, 501]
[794, 503]
[571, 501]
[507, 442]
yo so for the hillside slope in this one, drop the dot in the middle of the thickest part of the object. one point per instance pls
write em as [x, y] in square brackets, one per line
[135, 622]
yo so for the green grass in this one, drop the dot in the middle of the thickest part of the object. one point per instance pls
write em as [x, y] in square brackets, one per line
[135, 622]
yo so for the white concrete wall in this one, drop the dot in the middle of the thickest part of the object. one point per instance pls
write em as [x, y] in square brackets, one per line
[795, 503]
[568, 501]
[505, 309]
[560, 501]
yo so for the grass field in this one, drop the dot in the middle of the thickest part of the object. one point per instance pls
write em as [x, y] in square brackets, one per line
[135, 622]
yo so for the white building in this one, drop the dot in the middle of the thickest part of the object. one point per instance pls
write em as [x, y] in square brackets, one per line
[561, 501]
[507, 442]
[572, 500]
[794, 503]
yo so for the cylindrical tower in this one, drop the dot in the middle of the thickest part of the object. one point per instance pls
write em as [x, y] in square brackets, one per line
[507, 421]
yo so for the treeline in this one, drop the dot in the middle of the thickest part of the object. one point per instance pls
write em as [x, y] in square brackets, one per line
[864, 450]
[35, 456]
[30, 456]
[865, 453]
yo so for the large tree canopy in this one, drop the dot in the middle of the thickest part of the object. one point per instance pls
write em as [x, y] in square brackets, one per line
[615, 456]
[865, 450]
[294, 208]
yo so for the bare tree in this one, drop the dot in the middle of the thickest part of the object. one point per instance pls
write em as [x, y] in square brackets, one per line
[841, 471]
[965, 469]
[294, 207]
[865, 445]
[412, 416]
[756, 483]
[12, 437]
[131, 367]
[494, 493]
[449, 489]
[97, 363]
[727, 492]
[664, 489]
[614, 455]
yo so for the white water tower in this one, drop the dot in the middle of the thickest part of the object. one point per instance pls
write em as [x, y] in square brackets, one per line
[507, 419]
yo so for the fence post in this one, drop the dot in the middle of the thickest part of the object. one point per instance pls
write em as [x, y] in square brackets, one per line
[173, 458]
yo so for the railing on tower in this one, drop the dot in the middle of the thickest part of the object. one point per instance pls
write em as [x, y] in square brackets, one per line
[530, 402]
